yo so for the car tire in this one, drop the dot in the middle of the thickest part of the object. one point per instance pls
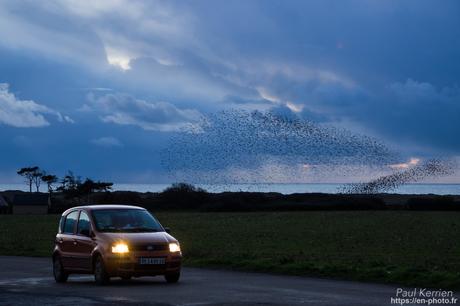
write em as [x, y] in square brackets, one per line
[60, 275]
[172, 277]
[100, 273]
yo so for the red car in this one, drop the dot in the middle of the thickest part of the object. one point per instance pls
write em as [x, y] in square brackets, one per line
[114, 241]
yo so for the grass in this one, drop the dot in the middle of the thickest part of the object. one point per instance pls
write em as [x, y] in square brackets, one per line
[411, 248]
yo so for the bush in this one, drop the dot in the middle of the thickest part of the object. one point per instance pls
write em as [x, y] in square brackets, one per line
[183, 188]
[182, 196]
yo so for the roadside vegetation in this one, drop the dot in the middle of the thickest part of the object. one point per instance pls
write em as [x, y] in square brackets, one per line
[412, 248]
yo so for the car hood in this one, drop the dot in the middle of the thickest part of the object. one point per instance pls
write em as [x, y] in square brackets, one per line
[139, 238]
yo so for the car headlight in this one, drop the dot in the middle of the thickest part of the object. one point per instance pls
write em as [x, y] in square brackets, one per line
[120, 248]
[174, 247]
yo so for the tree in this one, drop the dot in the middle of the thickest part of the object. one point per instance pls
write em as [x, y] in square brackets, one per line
[183, 188]
[49, 179]
[69, 185]
[89, 186]
[69, 182]
[37, 178]
[86, 188]
[103, 186]
[29, 173]
[183, 195]
[73, 187]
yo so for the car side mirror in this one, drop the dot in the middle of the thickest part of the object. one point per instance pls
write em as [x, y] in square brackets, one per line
[167, 230]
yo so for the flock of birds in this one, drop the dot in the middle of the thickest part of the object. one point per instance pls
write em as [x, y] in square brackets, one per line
[237, 146]
[429, 168]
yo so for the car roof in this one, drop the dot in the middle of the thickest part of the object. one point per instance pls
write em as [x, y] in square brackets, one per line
[102, 207]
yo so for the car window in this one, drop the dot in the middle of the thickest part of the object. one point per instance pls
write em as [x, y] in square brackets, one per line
[70, 221]
[83, 224]
[125, 220]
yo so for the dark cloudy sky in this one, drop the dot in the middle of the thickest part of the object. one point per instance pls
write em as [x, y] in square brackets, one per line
[99, 87]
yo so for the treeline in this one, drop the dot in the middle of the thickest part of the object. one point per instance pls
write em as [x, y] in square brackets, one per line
[71, 190]
[71, 186]
[185, 197]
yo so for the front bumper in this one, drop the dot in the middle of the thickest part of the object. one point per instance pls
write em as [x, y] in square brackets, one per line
[129, 264]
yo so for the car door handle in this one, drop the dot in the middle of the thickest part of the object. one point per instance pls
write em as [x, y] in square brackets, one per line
[75, 242]
[60, 240]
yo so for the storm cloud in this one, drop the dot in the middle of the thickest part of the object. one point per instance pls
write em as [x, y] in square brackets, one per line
[385, 70]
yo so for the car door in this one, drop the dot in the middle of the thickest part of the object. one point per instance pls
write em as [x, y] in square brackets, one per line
[66, 239]
[84, 243]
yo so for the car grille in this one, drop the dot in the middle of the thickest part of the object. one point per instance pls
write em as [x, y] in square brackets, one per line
[149, 247]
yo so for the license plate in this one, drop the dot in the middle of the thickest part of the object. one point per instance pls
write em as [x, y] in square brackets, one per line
[151, 261]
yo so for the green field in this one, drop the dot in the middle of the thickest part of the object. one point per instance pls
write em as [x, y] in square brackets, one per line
[411, 248]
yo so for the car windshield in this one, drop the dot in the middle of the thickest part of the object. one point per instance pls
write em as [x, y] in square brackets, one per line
[125, 221]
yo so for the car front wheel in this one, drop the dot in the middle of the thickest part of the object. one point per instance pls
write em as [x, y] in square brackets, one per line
[172, 277]
[60, 275]
[100, 274]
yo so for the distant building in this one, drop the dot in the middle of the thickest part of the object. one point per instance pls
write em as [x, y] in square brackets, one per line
[31, 204]
[3, 205]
